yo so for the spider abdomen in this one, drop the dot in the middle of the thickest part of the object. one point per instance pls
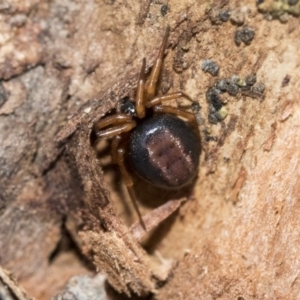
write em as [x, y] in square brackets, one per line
[164, 150]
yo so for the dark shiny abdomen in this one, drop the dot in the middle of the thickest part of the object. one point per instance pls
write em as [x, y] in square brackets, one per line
[165, 151]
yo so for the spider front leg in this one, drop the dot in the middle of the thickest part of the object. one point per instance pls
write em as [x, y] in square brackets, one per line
[150, 89]
[147, 89]
[140, 93]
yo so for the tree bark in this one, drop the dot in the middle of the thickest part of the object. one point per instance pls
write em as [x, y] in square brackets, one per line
[63, 208]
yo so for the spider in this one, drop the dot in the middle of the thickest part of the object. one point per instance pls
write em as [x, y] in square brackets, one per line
[161, 147]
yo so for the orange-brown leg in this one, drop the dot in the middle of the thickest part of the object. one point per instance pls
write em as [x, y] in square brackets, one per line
[178, 112]
[128, 180]
[115, 130]
[115, 145]
[112, 120]
[167, 97]
[140, 93]
[121, 123]
[150, 90]
[114, 148]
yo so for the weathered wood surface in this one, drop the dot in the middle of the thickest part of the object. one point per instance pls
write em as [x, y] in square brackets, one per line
[63, 65]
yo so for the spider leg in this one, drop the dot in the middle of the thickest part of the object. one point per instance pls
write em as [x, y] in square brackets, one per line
[111, 120]
[140, 93]
[116, 130]
[117, 152]
[171, 96]
[155, 72]
[114, 148]
[121, 123]
[120, 152]
[160, 109]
